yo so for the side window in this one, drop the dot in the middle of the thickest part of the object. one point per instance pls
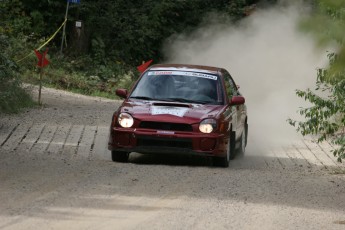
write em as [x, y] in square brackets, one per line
[231, 89]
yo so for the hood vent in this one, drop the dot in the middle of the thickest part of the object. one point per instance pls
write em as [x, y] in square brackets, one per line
[171, 104]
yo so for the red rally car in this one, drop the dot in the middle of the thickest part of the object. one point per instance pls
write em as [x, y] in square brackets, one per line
[181, 109]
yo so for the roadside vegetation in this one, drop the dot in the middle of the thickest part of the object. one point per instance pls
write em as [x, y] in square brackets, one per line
[325, 118]
[13, 96]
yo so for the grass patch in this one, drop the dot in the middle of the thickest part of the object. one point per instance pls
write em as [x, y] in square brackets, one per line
[104, 94]
[14, 99]
[80, 82]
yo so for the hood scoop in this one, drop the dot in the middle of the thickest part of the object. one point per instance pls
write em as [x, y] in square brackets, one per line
[173, 104]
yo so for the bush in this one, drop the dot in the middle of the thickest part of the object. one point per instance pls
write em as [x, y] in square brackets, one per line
[83, 76]
[326, 116]
[12, 96]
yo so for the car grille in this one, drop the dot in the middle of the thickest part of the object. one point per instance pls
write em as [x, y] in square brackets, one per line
[166, 126]
[165, 142]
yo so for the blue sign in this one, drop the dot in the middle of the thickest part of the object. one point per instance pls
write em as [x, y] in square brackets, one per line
[74, 1]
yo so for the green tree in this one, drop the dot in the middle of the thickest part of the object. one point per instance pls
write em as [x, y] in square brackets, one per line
[12, 24]
[326, 115]
[116, 35]
[133, 31]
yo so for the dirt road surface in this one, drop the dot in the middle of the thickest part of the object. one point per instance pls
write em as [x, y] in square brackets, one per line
[56, 173]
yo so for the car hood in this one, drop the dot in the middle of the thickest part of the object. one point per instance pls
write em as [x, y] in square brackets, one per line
[162, 111]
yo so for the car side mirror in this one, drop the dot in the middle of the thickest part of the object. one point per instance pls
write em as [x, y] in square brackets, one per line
[121, 93]
[237, 100]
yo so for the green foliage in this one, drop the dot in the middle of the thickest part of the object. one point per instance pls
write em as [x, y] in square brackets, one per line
[12, 96]
[98, 50]
[327, 24]
[12, 20]
[133, 31]
[83, 76]
[116, 36]
[326, 116]
[45, 15]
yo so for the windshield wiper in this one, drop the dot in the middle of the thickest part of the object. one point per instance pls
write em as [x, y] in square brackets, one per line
[173, 99]
[142, 97]
[178, 99]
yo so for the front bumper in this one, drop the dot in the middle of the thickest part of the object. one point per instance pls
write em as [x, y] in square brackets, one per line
[164, 142]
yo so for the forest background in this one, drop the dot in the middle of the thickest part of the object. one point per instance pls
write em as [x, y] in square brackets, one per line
[115, 37]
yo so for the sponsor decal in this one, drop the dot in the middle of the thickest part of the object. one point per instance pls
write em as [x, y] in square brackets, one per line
[161, 73]
[183, 73]
[165, 132]
[175, 111]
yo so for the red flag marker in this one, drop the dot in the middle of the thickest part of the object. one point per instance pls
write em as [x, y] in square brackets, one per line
[144, 66]
[42, 61]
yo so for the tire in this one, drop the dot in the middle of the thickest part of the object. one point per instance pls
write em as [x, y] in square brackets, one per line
[230, 153]
[232, 145]
[118, 156]
[243, 140]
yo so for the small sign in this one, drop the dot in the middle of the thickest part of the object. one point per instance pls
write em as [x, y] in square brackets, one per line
[184, 73]
[78, 24]
[165, 132]
[74, 1]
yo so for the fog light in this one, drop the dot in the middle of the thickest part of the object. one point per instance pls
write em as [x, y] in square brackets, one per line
[122, 139]
[207, 144]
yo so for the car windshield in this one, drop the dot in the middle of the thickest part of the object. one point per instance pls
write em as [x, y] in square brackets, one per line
[180, 86]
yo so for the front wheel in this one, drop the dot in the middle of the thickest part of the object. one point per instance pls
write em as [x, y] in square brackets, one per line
[230, 153]
[232, 146]
[118, 156]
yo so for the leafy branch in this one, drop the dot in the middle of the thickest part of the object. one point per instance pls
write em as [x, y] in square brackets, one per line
[326, 116]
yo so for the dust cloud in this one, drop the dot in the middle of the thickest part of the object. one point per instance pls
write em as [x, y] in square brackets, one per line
[268, 57]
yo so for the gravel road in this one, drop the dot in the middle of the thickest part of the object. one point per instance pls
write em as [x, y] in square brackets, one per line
[56, 173]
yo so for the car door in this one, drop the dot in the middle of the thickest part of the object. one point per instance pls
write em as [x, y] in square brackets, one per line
[231, 90]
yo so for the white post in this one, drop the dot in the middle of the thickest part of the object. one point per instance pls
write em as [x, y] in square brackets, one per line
[64, 27]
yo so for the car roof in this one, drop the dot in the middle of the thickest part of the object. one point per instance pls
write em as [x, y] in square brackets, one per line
[185, 67]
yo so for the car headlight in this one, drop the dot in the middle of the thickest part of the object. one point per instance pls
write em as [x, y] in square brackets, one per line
[207, 125]
[125, 120]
